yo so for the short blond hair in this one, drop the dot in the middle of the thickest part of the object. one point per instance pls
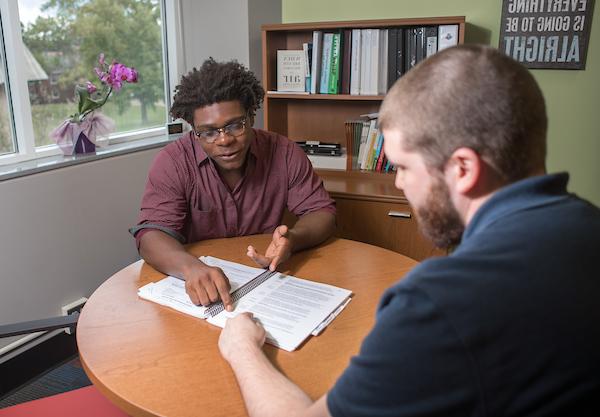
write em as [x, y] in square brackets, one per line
[470, 96]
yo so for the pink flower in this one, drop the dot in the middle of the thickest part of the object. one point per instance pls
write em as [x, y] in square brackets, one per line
[91, 88]
[101, 59]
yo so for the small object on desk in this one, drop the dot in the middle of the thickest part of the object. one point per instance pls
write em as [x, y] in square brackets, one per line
[315, 147]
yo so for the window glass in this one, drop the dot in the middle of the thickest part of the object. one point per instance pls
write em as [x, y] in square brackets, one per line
[63, 39]
[7, 143]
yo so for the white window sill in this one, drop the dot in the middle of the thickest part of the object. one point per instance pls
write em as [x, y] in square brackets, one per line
[48, 163]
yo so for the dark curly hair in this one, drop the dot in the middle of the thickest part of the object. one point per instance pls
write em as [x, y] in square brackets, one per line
[213, 83]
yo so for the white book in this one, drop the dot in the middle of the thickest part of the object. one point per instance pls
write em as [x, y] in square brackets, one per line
[355, 62]
[374, 73]
[371, 137]
[289, 308]
[326, 63]
[383, 62]
[365, 75]
[290, 70]
[447, 36]
[315, 78]
[364, 135]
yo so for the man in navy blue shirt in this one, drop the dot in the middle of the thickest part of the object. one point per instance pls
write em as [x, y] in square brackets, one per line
[507, 324]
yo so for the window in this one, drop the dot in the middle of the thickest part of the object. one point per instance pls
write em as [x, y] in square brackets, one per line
[56, 45]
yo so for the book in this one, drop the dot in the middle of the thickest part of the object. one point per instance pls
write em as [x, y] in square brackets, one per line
[291, 74]
[420, 42]
[410, 49]
[355, 63]
[392, 51]
[346, 62]
[326, 63]
[315, 71]
[334, 66]
[431, 40]
[447, 36]
[400, 54]
[383, 62]
[307, 48]
[289, 308]
[365, 64]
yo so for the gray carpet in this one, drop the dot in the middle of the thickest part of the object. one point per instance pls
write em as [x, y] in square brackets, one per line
[66, 377]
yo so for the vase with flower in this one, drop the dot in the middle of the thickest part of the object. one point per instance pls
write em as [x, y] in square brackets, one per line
[79, 133]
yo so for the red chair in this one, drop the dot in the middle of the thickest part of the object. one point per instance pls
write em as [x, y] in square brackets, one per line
[86, 401]
[83, 402]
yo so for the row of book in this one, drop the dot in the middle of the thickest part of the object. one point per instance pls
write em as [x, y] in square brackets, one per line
[365, 145]
[359, 61]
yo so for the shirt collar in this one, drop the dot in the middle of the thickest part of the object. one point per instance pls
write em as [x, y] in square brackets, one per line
[521, 195]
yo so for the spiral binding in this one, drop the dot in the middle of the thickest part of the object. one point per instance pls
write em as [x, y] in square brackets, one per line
[216, 308]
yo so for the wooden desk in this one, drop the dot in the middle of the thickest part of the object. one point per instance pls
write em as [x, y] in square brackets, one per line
[153, 361]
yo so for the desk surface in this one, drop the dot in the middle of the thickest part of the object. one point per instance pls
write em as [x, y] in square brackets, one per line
[153, 361]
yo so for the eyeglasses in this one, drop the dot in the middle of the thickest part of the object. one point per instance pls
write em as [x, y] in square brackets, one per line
[232, 129]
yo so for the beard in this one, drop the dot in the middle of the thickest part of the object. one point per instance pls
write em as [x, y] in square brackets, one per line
[438, 219]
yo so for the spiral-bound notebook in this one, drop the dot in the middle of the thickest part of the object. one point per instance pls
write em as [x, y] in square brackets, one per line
[289, 308]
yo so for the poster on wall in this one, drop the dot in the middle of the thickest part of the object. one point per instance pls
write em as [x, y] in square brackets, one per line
[546, 33]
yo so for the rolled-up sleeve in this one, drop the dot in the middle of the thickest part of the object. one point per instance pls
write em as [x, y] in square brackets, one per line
[306, 192]
[163, 206]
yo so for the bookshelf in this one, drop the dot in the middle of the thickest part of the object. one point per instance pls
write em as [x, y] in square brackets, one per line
[370, 208]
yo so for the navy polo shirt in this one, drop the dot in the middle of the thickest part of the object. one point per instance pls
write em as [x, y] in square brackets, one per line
[507, 325]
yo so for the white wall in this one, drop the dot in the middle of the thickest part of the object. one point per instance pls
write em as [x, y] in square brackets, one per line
[63, 232]
[226, 30]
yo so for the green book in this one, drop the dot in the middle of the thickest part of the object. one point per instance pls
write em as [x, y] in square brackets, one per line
[334, 69]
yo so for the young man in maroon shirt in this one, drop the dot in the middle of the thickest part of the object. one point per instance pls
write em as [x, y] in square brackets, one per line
[227, 179]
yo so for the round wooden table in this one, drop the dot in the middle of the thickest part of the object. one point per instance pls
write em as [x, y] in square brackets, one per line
[153, 361]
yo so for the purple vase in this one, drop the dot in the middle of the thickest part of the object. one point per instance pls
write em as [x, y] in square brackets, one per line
[84, 145]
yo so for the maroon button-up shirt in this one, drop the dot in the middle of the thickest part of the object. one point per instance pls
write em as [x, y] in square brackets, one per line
[186, 198]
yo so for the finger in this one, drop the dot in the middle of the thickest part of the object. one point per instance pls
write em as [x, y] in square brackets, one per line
[281, 231]
[211, 291]
[191, 292]
[202, 296]
[223, 288]
[258, 258]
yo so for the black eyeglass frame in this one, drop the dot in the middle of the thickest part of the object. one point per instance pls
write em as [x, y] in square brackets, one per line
[228, 129]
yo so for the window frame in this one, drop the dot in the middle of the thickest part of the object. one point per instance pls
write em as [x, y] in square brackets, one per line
[18, 91]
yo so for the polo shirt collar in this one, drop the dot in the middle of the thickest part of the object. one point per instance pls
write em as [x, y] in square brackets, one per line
[521, 195]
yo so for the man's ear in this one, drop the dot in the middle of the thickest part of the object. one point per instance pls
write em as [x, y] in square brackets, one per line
[463, 170]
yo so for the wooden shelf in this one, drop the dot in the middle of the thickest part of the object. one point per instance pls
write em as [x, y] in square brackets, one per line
[369, 207]
[274, 95]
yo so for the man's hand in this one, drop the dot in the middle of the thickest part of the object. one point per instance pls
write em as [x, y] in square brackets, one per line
[278, 251]
[240, 332]
[206, 284]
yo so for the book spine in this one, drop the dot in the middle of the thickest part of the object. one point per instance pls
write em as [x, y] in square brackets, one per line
[400, 54]
[383, 62]
[305, 49]
[431, 40]
[380, 157]
[364, 136]
[447, 36]
[326, 62]
[315, 78]
[355, 64]
[374, 75]
[392, 50]
[334, 69]
[346, 58]
[365, 76]
[420, 43]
